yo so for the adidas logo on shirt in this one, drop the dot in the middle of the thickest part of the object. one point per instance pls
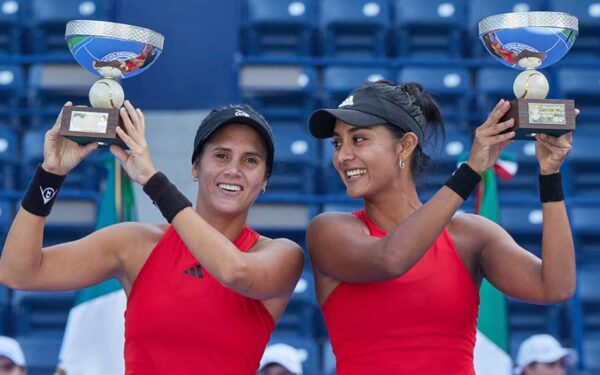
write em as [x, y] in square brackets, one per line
[195, 271]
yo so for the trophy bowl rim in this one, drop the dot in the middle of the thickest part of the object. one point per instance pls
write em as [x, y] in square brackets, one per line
[115, 30]
[515, 20]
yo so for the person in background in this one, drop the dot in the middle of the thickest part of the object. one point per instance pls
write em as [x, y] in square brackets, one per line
[281, 359]
[543, 355]
[12, 359]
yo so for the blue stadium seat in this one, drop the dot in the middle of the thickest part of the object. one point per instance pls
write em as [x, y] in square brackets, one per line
[584, 223]
[282, 93]
[479, 9]
[41, 313]
[301, 313]
[583, 86]
[491, 85]
[430, 27]
[308, 346]
[444, 159]
[4, 308]
[451, 87]
[524, 223]
[295, 156]
[9, 158]
[279, 27]
[86, 176]
[584, 175]
[55, 84]
[12, 92]
[7, 212]
[49, 18]
[588, 16]
[523, 185]
[11, 17]
[591, 352]
[354, 28]
[339, 81]
[41, 353]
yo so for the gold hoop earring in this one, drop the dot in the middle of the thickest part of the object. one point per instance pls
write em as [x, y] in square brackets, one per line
[401, 164]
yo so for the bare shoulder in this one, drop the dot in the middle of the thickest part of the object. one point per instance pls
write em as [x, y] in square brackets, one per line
[471, 231]
[280, 244]
[336, 222]
[130, 235]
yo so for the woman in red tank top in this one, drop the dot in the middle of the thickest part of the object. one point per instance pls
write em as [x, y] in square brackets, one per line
[204, 292]
[398, 280]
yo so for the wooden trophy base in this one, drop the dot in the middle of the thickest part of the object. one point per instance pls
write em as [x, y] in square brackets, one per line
[532, 116]
[86, 125]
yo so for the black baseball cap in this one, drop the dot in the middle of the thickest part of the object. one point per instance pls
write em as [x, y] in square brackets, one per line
[364, 107]
[235, 114]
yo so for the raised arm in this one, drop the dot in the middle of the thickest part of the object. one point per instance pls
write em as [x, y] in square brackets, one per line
[521, 274]
[340, 248]
[23, 264]
[270, 270]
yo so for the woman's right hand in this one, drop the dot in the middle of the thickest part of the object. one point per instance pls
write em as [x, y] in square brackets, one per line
[489, 139]
[61, 154]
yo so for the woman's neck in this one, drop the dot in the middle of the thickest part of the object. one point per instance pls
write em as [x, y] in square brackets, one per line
[390, 207]
[229, 225]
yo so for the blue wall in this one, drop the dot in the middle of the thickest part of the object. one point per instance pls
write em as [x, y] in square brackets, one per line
[195, 70]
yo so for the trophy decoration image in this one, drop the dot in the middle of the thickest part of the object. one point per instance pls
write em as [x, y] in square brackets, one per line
[529, 41]
[112, 51]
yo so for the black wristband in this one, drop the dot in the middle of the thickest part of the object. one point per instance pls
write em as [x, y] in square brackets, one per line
[551, 189]
[41, 193]
[165, 196]
[463, 181]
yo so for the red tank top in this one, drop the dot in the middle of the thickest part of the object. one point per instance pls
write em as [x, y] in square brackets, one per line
[180, 320]
[423, 322]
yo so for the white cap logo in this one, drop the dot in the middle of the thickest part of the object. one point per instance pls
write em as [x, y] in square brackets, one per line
[349, 101]
[241, 113]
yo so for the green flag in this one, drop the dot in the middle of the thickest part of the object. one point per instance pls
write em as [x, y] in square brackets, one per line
[491, 350]
[94, 336]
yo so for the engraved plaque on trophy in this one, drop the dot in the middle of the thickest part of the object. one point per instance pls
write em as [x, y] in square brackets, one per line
[529, 41]
[112, 51]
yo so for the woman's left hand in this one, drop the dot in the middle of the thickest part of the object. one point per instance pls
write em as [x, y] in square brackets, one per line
[137, 163]
[552, 151]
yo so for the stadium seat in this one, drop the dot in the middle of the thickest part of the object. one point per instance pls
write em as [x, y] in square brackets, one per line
[282, 93]
[523, 185]
[49, 18]
[339, 81]
[479, 9]
[41, 313]
[588, 279]
[588, 16]
[300, 315]
[41, 353]
[295, 158]
[9, 158]
[524, 223]
[584, 175]
[12, 92]
[430, 27]
[11, 18]
[582, 85]
[308, 347]
[4, 306]
[279, 27]
[354, 28]
[491, 85]
[591, 352]
[444, 158]
[7, 212]
[451, 87]
[584, 223]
